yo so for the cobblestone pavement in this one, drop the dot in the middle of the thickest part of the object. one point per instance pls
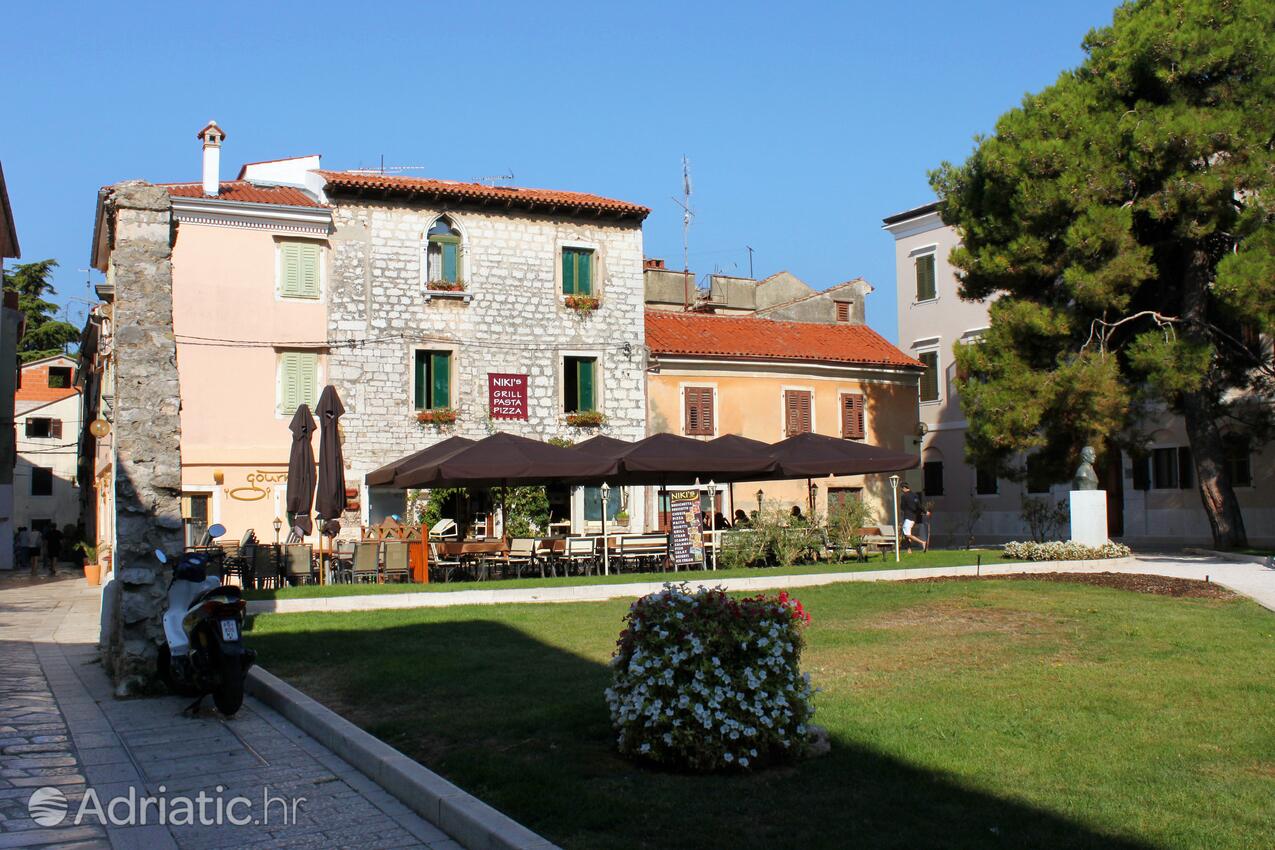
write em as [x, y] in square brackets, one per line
[61, 727]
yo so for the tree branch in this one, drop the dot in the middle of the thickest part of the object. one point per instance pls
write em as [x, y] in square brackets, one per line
[1102, 330]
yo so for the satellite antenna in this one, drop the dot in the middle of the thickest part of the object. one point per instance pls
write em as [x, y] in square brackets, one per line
[687, 215]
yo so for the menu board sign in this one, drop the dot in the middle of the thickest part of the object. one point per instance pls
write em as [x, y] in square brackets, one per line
[686, 536]
[507, 396]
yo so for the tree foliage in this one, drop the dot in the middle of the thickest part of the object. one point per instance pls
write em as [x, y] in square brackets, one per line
[45, 334]
[1126, 218]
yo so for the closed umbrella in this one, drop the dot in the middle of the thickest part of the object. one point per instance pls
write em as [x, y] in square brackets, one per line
[301, 471]
[329, 501]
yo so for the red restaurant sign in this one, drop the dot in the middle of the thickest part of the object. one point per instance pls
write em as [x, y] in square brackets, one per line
[507, 395]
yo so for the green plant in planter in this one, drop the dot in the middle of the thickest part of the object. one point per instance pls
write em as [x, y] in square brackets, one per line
[88, 550]
[582, 304]
[445, 286]
[437, 416]
[622, 517]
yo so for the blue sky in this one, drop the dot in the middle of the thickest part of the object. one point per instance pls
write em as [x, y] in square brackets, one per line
[805, 123]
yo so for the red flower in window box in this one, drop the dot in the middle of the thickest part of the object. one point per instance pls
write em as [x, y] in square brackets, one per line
[586, 419]
[583, 304]
[437, 416]
[445, 286]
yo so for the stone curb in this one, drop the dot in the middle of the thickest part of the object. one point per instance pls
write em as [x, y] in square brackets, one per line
[1267, 561]
[471, 822]
[601, 592]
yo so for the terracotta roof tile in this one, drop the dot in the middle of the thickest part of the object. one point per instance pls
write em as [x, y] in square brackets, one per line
[765, 339]
[478, 193]
[245, 192]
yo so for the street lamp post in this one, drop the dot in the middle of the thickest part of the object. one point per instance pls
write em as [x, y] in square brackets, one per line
[760, 495]
[605, 490]
[278, 524]
[894, 485]
[712, 518]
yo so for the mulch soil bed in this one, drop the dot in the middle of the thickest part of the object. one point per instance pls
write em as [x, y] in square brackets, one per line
[1137, 582]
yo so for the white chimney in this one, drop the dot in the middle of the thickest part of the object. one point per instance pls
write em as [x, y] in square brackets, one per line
[212, 136]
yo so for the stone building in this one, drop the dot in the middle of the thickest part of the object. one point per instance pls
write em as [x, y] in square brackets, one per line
[449, 287]
[47, 422]
[1151, 499]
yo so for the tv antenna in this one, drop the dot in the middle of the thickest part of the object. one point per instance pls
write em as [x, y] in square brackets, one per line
[687, 215]
[492, 180]
[387, 169]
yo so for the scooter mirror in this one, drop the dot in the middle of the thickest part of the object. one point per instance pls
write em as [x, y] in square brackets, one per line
[160, 556]
[215, 531]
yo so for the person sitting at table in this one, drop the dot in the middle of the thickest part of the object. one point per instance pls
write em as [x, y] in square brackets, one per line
[741, 518]
[720, 522]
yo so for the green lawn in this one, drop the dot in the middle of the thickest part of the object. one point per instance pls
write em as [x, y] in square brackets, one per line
[936, 558]
[974, 714]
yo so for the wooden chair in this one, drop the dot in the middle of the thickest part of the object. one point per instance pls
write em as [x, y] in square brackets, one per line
[396, 565]
[265, 567]
[644, 550]
[521, 554]
[366, 564]
[440, 564]
[581, 552]
[342, 562]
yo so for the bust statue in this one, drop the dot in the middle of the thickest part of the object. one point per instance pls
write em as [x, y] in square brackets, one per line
[1086, 478]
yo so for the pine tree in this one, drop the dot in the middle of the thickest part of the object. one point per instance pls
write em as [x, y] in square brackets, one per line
[1126, 218]
[45, 334]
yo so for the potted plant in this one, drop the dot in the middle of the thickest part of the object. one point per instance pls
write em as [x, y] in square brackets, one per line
[582, 304]
[621, 517]
[586, 419]
[92, 569]
[437, 416]
[445, 286]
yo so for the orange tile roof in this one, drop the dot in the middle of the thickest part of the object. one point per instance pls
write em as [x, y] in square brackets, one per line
[766, 339]
[245, 192]
[541, 199]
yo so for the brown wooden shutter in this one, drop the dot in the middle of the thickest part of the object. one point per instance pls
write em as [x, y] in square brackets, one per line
[843, 311]
[706, 411]
[797, 412]
[852, 416]
[691, 395]
[699, 411]
[55, 428]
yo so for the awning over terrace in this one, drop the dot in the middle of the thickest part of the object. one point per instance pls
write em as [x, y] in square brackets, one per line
[506, 459]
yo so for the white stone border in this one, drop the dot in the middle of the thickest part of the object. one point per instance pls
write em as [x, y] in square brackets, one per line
[1267, 561]
[599, 592]
[468, 820]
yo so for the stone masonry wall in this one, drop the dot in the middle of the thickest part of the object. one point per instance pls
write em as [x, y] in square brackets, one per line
[147, 432]
[515, 323]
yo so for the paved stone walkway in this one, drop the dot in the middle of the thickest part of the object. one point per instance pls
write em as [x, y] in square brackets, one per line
[60, 727]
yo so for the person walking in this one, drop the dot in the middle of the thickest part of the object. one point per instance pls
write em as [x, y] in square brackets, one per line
[52, 549]
[914, 514]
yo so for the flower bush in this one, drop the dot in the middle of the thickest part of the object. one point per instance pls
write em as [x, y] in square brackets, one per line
[704, 681]
[1064, 550]
[437, 416]
[582, 304]
[445, 286]
[586, 419]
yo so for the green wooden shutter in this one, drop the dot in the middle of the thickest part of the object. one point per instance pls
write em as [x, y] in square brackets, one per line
[568, 272]
[440, 379]
[290, 271]
[308, 273]
[308, 383]
[419, 398]
[289, 390]
[584, 273]
[925, 289]
[585, 369]
[450, 266]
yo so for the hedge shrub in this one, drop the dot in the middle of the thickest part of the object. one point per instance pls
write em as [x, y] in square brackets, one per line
[1064, 550]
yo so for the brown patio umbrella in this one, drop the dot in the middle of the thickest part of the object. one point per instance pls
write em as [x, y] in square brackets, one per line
[815, 455]
[329, 501]
[661, 458]
[384, 477]
[300, 495]
[507, 459]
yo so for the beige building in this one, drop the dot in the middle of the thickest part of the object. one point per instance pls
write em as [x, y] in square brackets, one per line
[782, 296]
[767, 380]
[1151, 500]
[47, 425]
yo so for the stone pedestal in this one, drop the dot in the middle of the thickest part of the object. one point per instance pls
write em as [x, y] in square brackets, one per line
[1089, 517]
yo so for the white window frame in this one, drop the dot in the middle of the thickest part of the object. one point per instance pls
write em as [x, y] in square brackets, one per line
[322, 245]
[914, 255]
[936, 350]
[599, 379]
[599, 268]
[783, 407]
[320, 377]
[454, 384]
[681, 394]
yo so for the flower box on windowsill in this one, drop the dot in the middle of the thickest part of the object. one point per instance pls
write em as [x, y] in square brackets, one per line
[586, 419]
[447, 289]
[438, 416]
[582, 304]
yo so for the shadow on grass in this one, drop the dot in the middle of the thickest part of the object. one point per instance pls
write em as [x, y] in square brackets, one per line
[523, 725]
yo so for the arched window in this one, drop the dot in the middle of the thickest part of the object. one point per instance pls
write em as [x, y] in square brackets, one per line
[443, 253]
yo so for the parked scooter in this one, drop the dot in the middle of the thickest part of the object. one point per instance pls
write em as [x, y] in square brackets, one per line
[203, 627]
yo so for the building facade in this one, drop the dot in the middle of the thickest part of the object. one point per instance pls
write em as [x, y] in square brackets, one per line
[443, 294]
[768, 380]
[1151, 499]
[782, 296]
[47, 424]
[11, 325]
